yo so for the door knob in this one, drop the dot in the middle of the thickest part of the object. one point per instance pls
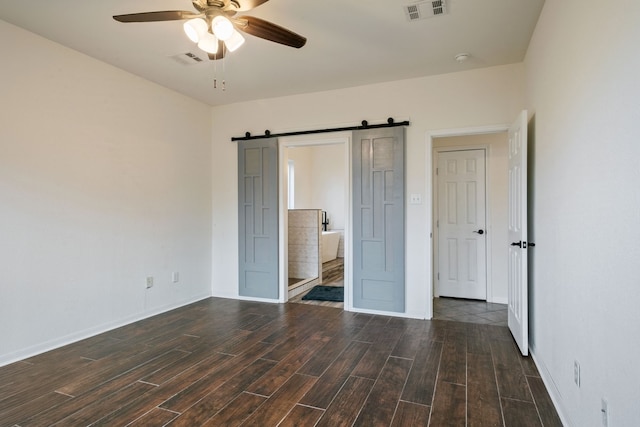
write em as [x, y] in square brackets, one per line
[516, 244]
[479, 231]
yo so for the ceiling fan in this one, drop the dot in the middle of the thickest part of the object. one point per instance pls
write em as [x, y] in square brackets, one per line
[214, 27]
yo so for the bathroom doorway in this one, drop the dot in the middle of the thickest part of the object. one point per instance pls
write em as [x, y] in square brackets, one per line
[315, 185]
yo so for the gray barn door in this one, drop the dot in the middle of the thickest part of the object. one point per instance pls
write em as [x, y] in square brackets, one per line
[378, 219]
[258, 217]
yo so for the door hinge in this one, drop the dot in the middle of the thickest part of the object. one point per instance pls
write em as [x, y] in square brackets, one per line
[438, 276]
[437, 223]
[437, 170]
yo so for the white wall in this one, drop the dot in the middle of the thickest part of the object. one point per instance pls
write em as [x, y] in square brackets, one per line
[465, 99]
[497, 208]
[303, 177]
[319, 180]
[105, 179]
[329, 183]
[583, 92]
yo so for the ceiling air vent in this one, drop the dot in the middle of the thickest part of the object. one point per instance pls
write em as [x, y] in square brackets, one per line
[187, 58]
[425, 9]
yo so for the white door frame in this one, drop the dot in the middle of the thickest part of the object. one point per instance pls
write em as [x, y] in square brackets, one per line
[284, 143]
[429, 171]
[487, 213]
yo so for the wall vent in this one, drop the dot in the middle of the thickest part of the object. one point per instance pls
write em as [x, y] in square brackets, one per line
[187, 58]
[425, 9]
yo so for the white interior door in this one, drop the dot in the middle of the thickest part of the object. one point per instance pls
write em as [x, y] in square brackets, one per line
[517, 279]
[462, 250]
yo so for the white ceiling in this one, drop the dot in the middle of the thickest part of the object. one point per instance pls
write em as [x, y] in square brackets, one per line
[350, 42]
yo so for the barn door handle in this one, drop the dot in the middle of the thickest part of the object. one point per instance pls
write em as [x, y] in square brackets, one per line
[479, 231]
[519, 244]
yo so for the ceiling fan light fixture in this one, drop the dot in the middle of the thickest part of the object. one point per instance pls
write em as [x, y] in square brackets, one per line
[235, 41]
[222, 28]
[195, 29]
[208, 43]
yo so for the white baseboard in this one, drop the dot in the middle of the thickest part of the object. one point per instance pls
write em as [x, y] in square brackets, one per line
[40, 348]
[254, 299]
[419, 316]
[499, 300]
[553, 391]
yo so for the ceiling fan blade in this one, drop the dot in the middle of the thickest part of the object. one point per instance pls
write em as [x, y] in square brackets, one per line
[222, 51]
[244, 5]
[165, 15]
[269, 31]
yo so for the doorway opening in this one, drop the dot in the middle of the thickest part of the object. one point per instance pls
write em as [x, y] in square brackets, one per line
[469, 221]
[315, 219]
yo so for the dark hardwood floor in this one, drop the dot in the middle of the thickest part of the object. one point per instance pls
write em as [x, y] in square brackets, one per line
[225, 362]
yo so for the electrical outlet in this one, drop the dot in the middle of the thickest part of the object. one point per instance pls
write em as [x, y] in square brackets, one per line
[605, 413]
[576, 372]
[175, 277]
[149, 282]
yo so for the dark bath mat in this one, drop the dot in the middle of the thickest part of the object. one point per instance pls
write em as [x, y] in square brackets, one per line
[325, 293]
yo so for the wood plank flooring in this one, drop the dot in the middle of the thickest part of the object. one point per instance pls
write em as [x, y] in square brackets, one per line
[333, 272]
[229, 363]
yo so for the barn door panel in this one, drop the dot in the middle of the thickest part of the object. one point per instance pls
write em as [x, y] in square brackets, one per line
[378, 219]
[258, 218]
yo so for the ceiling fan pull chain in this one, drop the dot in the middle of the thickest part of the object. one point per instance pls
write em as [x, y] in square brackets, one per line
[215, 74]
[223, 69]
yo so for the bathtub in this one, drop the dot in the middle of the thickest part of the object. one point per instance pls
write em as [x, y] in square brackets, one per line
[330, 241]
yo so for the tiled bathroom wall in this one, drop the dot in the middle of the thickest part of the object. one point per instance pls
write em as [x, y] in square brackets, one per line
[304, 243]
